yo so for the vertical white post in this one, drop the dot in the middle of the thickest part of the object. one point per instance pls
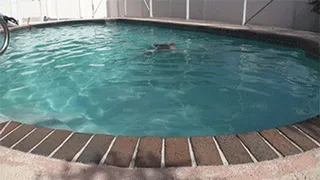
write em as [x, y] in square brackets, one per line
[57, 11]
[151, 9]
[11, 9]
[40, 9]
[170, 9]
[107, 9]
[187, 9]
[47, 12]
[244, 12]
[79, 1]
[125, 8]
[18, 12]
[118, 9]
[92, 8]
[204, 10]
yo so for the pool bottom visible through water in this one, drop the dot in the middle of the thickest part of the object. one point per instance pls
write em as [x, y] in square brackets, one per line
[97, 79]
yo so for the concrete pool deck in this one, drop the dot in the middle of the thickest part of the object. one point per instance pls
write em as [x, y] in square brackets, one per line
[15, 165]
[288, 152]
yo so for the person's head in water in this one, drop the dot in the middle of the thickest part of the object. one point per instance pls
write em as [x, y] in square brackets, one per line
[168, 46]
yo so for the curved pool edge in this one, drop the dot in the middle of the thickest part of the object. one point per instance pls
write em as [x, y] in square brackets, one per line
[158, 152]
[309, 42]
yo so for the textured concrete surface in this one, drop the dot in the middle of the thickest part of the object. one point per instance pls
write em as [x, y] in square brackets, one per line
[15, 165]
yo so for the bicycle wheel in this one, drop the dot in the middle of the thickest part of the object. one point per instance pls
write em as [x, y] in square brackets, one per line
[4, 36]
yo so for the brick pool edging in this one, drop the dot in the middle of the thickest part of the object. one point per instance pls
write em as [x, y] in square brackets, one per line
[148, 152]
[157, 152]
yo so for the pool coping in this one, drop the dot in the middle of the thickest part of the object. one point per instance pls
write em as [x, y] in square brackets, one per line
[308, 41]
[18, 165]
[172, 152]
[158, 152]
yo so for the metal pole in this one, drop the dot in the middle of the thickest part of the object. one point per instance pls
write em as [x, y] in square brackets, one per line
[118, 8]
[95, 11]
[92, 8]
[18, 12]
[40, 9]
[187, 9]
[125, 8]
[244, 12]
[6, 37]
[259, 11]
[47, 12]
[79, 1]
[57, 11]
[204, 10]
[145, 2]
[107, 12]
[151, 9]
[170, 9]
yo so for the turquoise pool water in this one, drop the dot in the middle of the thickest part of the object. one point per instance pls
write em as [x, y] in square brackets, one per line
[97, 79]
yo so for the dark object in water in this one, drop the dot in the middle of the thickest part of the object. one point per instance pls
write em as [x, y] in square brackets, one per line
[161, 47]
[169, 46]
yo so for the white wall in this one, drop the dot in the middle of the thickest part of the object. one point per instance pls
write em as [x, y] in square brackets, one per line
[5, 7]
[64, 8]
[113, 7]
[23, 8]
[293, 14]
[54, 8]
[99, 7]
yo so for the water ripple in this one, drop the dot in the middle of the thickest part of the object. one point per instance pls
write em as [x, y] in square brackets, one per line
[96, 78]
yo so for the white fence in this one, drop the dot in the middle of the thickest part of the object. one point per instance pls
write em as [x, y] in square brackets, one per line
[55, 9]
[293, 14]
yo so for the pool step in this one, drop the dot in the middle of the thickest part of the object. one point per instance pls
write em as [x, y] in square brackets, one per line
[157, 152]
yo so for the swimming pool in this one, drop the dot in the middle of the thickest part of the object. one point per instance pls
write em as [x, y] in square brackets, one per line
[96, 78]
